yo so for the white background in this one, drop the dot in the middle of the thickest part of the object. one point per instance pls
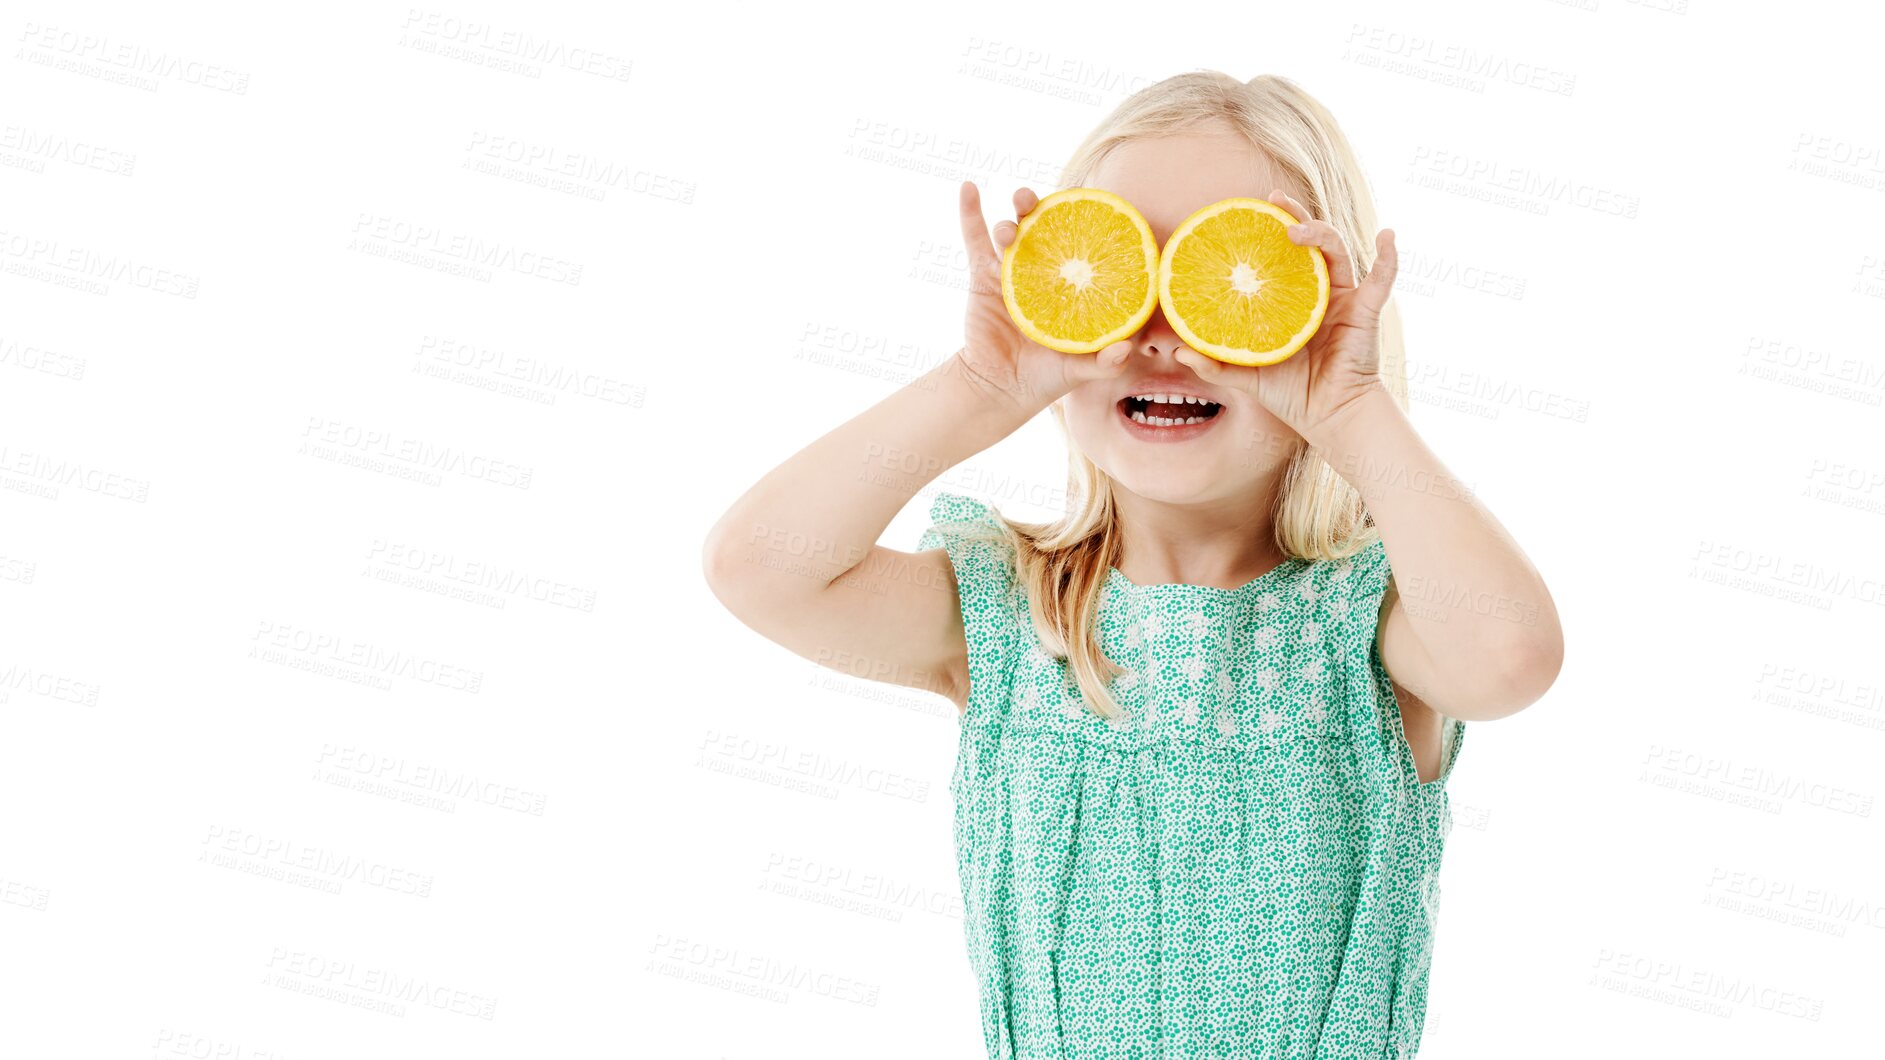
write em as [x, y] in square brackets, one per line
[361, 692]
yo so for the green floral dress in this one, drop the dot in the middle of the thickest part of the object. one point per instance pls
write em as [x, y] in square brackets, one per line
[1244, 867]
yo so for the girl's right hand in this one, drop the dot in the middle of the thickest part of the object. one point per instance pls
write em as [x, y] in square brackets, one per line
[995, 352]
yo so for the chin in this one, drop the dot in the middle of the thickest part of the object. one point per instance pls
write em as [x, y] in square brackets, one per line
[1170, 483]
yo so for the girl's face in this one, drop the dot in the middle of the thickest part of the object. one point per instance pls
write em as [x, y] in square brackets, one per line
[1238, 445]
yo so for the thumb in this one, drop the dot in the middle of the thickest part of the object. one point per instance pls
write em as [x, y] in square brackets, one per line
[1208, 369]
[1108, 363]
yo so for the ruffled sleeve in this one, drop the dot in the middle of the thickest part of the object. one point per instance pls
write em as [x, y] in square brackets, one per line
[1366, 575]
[984, 563]
[1370, 573]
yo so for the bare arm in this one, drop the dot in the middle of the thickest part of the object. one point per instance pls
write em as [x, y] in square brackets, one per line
[1468, 624]
[796, 557]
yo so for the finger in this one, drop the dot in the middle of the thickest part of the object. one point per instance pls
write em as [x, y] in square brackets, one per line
[1104, 364]
[982, 259]
[1212, 371]
[1308, 231]
[1380, 282]
[1005, 231]
[1323, 236]
[1290, 203]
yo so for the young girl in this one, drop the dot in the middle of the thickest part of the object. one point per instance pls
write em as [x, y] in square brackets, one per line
[1209, 713]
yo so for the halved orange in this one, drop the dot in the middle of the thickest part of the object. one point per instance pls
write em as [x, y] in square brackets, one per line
[1235, 288]
[1080, 273]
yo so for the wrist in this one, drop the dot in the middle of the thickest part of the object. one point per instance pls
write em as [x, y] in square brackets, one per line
[1344, 429]
[1015, 397]
[984, 403]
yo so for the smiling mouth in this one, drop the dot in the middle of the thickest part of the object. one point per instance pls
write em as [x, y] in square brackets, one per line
[1168, 410]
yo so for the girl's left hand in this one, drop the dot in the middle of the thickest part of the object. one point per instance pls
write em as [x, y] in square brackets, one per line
[1341, 361]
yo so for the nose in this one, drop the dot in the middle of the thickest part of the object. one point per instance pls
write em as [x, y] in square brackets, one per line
[1156, 339]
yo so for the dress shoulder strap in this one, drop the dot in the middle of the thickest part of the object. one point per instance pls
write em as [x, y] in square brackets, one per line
[983, 559]
[1366, 582]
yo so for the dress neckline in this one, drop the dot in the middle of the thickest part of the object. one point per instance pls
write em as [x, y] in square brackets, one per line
[1289, 565]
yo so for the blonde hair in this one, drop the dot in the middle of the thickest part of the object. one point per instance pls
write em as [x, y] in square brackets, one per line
[1063, 565]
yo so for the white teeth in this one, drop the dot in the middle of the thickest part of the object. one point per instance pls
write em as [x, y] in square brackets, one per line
[1173, 399]
[1139, 416]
